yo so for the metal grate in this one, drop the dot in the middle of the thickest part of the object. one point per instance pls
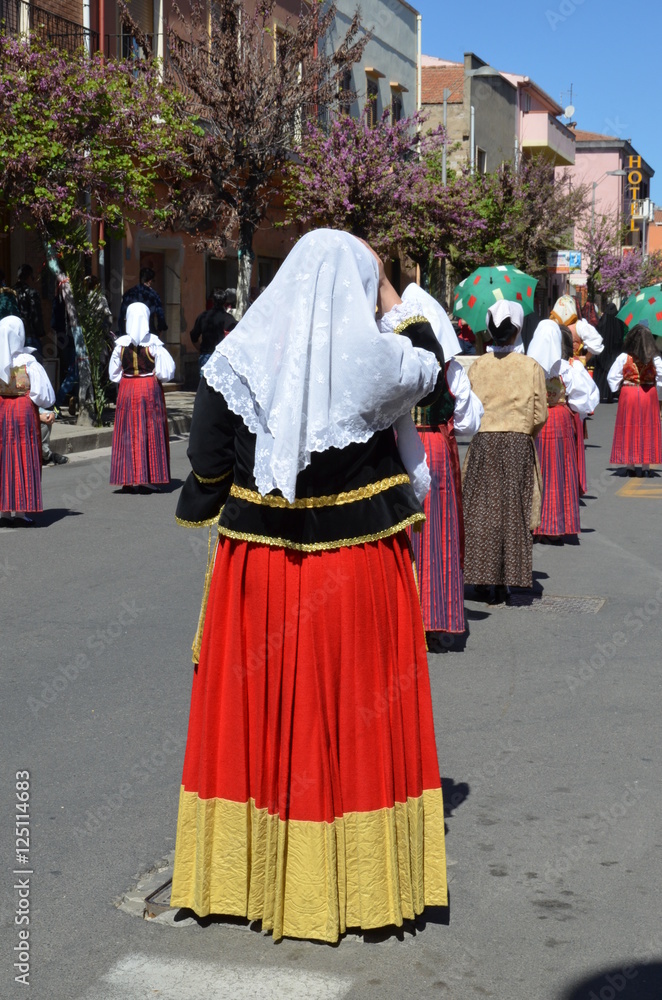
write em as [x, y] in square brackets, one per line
[159, 900]
[556, 605]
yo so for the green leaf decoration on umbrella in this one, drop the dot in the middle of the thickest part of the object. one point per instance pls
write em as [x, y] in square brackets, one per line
[487, 285]
[645, 306]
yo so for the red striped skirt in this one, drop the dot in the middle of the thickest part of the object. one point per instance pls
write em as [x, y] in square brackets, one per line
[141, 451]
[437, 548]
[556, 445]
[638, 432]
[580, 438]
[20, 455]
[311, 795]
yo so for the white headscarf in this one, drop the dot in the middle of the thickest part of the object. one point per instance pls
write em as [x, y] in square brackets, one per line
[137, 327]
[12, 343]
[564, 311]
[546, 345]
[436, 317]
[307, 368]
[503, 310]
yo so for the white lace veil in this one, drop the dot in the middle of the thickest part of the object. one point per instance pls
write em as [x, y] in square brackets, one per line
[307, 368]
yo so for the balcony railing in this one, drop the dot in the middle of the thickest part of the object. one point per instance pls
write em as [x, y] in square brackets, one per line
[19, 16]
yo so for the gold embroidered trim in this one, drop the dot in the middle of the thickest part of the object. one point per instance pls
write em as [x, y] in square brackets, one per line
[285, 543]
[409, 322]
[211, 479]
[362, 493]
[197, 524]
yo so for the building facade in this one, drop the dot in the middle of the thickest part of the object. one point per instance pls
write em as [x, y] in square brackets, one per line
[493, 117]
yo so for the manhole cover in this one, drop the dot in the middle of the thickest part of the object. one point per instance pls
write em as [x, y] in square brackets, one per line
[159, 900]
[557, 605]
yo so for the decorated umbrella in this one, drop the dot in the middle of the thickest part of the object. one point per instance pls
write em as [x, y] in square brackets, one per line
[474, 296]
[645, 307]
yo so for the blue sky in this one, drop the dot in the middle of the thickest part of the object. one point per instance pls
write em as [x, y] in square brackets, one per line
[609, 52]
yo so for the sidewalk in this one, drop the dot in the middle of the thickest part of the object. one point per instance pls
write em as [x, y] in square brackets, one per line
[67, 437]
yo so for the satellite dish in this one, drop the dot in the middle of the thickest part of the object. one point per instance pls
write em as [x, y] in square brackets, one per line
[569, 111]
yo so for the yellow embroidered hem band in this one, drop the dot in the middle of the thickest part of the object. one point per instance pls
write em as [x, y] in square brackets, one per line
[335, 499]
[285, 543]
[309, 879]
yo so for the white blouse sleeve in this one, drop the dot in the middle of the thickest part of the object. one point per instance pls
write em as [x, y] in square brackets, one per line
[468, 408]
[658, 370]
[615, 373]
[164, 364]
[593, 342]
[41, 390]
[115, 364]
[581, 393]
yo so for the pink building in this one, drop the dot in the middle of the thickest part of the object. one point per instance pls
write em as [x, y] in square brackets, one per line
[619, 179]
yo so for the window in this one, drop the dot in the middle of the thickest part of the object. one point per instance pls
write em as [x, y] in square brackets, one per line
[526, 102]
[397, 110]
[345, 92]
[372, 100]
[481, 161]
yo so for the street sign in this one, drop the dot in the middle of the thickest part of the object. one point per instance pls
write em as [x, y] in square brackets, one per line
[564, 261]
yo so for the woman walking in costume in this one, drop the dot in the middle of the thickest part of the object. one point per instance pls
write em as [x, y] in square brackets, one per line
[24, 386]
[637, 372]
[570, 389]
[501, 489]
[304, 803]
[439, 544]
[140, 450]
[613, 332]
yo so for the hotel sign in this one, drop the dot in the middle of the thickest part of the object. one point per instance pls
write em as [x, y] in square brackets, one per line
[635, 177]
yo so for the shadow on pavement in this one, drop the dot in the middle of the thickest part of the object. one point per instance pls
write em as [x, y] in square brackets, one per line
[623, 982]
[47, 517]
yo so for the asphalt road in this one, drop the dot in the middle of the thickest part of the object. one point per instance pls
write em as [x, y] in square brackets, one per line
[548, 730]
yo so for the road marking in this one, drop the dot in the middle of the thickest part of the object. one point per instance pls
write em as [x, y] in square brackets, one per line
[640, 489]
[137, 977]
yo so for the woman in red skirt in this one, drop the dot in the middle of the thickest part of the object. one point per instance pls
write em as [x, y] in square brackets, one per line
[311, 796]
[140, 451]
[24, 386]
[637, 373]
[570, 390]
[439, 544]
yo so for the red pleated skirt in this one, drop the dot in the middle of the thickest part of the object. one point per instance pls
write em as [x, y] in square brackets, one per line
[556, 445]
[141, 448]
[638, 432]
[20, 455]
[437, 548]
[311, 795]
[580, 443]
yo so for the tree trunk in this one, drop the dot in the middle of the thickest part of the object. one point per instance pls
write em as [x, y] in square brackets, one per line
[85, 389]
[245, 266]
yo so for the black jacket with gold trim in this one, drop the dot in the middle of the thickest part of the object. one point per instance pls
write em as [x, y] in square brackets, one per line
[344, 497]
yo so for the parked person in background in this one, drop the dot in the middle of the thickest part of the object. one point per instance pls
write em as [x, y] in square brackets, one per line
[8, 300]
[29, 306]
[143, 292]
[637, 372]
[613, 332]
[140, 449]
[46, 421]
[212, 326]
[24, 386]
[231, 301]
[502, 486]
[569, 389]
[439, 544]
